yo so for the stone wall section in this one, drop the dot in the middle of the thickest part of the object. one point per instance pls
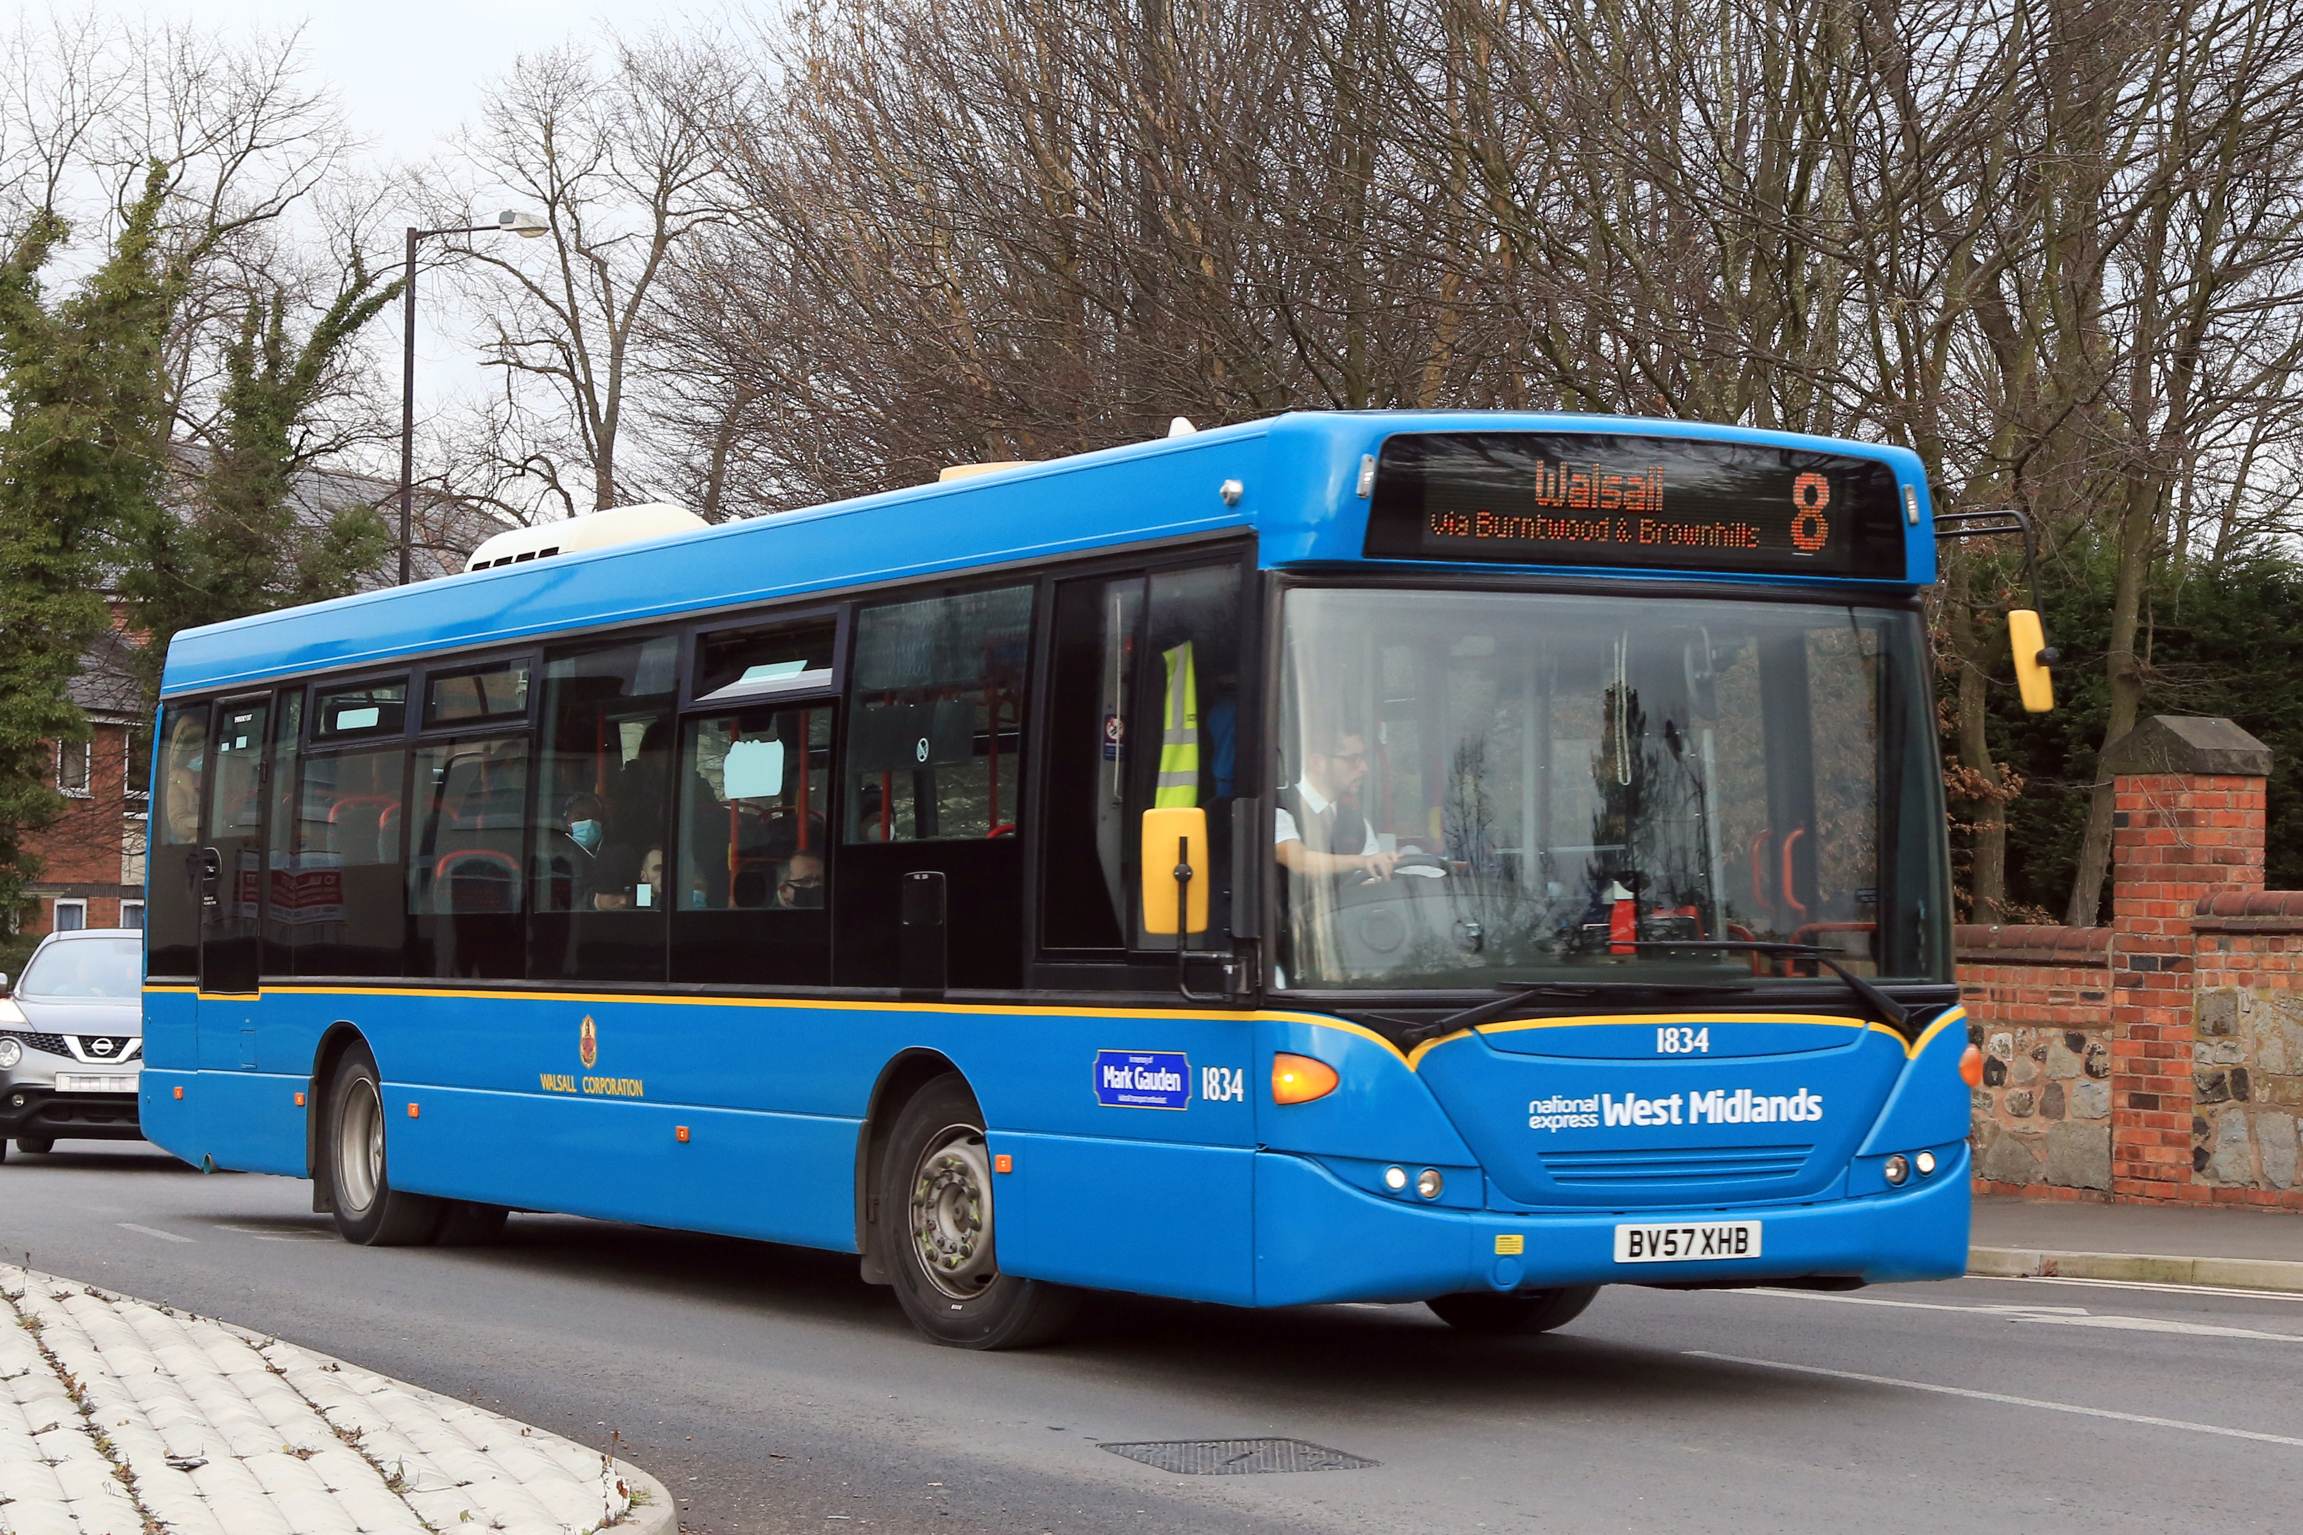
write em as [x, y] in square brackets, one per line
[2247, 1047]
[2038, 1002]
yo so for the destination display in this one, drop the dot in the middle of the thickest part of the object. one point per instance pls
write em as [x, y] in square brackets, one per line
[1600, 499]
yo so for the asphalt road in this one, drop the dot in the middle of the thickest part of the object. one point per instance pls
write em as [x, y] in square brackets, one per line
[772, 1391]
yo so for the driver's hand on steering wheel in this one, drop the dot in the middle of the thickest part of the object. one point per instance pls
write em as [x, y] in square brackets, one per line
[1378, 865]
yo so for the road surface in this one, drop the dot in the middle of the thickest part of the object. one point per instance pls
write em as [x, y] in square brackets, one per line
[773, 1391]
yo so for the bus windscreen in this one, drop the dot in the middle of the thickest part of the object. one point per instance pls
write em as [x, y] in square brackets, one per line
[1634, 501]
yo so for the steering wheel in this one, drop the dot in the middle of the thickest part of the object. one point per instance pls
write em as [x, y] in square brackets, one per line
[1420, 861]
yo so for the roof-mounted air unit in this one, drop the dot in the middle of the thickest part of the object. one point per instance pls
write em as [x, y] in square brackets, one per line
[595, 530]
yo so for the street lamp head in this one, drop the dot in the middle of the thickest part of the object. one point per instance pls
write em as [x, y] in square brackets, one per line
[525, 225]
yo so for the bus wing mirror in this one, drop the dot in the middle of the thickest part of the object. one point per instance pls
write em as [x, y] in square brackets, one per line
[1175, 881]
[2033, 679]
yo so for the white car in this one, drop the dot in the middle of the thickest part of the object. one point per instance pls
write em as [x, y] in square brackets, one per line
[72, 1041]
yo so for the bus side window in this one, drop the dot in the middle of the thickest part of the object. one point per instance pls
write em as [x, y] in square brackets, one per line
[754, 835]
[752, 884]
[1085, 856]
[281, 912]
[347, 908]
[173, 916]
[464, 870]
[937, 733]
[1145, 709]
[1187, 729]
[932, 783]
[600, 840]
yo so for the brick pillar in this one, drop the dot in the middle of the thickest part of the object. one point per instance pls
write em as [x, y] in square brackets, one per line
[2189, 819]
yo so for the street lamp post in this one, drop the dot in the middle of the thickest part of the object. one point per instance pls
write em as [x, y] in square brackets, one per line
[526, 225]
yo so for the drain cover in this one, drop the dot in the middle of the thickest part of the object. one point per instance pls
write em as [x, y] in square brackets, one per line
[1238, 1457]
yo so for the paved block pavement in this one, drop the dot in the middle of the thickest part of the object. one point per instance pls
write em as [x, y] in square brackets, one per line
[118, 1417]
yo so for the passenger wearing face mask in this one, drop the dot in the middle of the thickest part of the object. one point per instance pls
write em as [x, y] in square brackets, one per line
[572, 854]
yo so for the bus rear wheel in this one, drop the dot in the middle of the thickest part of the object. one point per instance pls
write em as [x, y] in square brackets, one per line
[1525, 1311]
[369, 1210]
[936, 1227]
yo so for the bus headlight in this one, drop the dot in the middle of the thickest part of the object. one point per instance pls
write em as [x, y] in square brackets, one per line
[1897, 1168]
[1395, 1178]
[1925, 1162]
[1428, 1183]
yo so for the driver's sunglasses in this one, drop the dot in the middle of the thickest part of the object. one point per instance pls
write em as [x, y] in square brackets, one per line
[812, 882]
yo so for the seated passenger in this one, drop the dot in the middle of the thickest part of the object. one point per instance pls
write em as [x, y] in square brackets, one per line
[644, 891]
[803, 883]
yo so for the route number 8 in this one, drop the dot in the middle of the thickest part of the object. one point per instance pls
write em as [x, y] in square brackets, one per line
[1811, 493]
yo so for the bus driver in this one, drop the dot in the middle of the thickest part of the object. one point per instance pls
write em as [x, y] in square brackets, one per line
[1304, 832]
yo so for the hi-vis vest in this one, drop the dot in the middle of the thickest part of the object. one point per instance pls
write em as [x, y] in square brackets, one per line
[1179, 732]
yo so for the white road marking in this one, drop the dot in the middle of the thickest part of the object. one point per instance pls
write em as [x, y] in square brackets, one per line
[2001, 1397]
[2058, 1316]
[275, 1236]
[165, 1236]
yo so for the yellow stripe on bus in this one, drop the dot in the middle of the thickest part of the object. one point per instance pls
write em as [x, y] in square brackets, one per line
[1411, 1059]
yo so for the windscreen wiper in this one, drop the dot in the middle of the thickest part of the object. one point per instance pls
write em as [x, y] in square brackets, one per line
[1553, 991]
[1891, 1012]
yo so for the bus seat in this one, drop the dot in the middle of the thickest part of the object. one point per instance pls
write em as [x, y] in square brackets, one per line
[362, 822]
[476, 880]
[752, 883]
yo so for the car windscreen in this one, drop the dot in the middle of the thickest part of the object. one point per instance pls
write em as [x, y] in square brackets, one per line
[109, 969]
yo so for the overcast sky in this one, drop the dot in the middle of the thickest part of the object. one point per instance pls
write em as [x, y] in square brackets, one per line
[409, 71]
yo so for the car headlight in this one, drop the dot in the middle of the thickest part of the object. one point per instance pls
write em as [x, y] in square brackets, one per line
[10, 1053]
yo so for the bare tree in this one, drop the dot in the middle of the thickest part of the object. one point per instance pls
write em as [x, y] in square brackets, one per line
[614, 156]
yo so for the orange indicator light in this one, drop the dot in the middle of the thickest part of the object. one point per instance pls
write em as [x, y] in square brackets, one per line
[412, 1114]
[1300, 1079]
[680, 1133]
[1003, 1163]
[1971, 1066]
[299, 1100]
[179, 1092]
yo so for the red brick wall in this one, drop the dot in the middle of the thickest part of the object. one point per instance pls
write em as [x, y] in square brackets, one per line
[2174, 838]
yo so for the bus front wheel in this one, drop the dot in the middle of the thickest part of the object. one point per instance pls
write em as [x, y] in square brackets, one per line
[1526, 1311]
[369, 1210]
[936, 1228]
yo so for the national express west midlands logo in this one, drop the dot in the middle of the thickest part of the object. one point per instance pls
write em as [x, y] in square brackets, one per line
[588, 1044]
[1720, 1106]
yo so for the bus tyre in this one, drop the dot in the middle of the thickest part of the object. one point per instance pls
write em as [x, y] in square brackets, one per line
[1526, 1311]
[35, 1145]
[935, 1226]
[369, 1210]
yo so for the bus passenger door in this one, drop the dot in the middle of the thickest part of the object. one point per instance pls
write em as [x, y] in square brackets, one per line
[231, 882]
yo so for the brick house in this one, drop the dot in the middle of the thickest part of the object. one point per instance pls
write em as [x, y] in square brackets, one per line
[93, 856]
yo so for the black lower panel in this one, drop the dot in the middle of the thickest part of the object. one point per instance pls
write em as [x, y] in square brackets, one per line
[596, 946]
[755, 948]
[983, 883]
[470, 945]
